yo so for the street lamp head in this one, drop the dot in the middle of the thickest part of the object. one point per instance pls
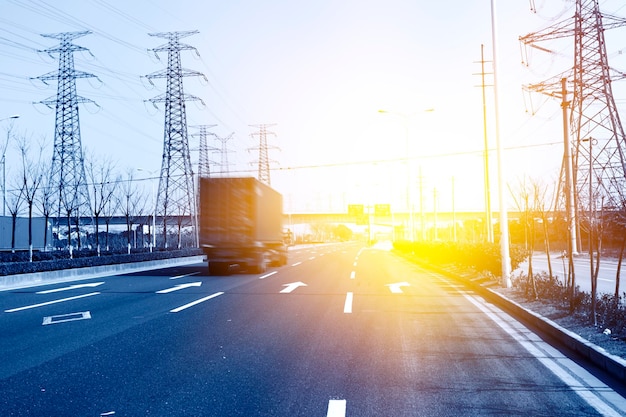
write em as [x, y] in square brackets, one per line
[15, 116]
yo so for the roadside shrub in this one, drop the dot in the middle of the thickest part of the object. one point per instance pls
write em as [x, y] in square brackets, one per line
[58, 260]
[480, 257]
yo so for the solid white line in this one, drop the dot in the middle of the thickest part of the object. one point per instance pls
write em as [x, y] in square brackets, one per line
[186, 275]
[347, 307]
[336, 408]
[268, 275]
[181, 308]
[352, 275]
[12, 310]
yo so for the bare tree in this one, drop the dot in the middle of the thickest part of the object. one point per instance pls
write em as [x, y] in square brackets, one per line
[15, 202]
[530, 200]
[31, 179]
[131, 203]
[101, 189]
[46, 199]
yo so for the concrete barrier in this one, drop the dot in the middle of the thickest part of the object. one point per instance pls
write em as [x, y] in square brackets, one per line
[11, 282]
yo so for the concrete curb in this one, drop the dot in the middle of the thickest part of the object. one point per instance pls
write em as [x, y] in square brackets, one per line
[12, 282]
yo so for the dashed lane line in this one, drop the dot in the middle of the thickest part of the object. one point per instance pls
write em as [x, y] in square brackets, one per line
[336, 408]
[193, 303]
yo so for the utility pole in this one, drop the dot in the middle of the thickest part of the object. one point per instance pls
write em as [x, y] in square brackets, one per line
[487, 185]
[263, 148]
[68, 171]
[176, 195]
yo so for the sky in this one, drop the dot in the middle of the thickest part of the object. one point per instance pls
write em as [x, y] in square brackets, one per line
[317, 72]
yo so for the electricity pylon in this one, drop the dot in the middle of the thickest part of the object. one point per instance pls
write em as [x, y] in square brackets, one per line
[204, 166]
[67, 176]
[263, 148]
[176, 196]
[224, 151]
[595, 128]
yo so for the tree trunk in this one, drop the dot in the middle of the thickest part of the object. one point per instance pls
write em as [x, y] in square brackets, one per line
[617, 273]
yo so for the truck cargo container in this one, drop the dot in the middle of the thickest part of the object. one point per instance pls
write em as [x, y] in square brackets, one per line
[241, 227]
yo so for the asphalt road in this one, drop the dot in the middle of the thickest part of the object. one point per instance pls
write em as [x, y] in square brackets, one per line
[340, 331]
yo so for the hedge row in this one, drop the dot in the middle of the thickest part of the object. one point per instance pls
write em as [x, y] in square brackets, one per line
[18, 263]
[480, 257]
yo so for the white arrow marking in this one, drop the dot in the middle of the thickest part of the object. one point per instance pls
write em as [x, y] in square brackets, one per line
[71, 287]
[180, 287]
[336, 408]
[50, 302]
[290, 287]
[396, 288]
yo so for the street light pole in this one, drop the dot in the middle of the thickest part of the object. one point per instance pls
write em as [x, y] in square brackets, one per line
[4, 170]
[504, 219]
[405, 118]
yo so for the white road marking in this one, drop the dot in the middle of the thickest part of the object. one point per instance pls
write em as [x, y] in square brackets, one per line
[347, 307]
[352, 274]
[311, 258]
[71, 287]
[268, 275]
[396, 288]
[12, 310]
[183, 276]
[180, 287]
[336, 408]
[292, 286]
[63, 318]
[296, 264]
[181, 308]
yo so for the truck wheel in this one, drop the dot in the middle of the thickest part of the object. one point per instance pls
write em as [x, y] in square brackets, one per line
[218, 268]
[261, 265]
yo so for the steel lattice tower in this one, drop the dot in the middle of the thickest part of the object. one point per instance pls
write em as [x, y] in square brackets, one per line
[597, 134]
[68, 171]
[176, 196]
[204, 166]
[263, 148]
[224, 151]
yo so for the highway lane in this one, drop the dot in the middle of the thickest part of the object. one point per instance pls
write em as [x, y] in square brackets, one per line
[368, 335]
